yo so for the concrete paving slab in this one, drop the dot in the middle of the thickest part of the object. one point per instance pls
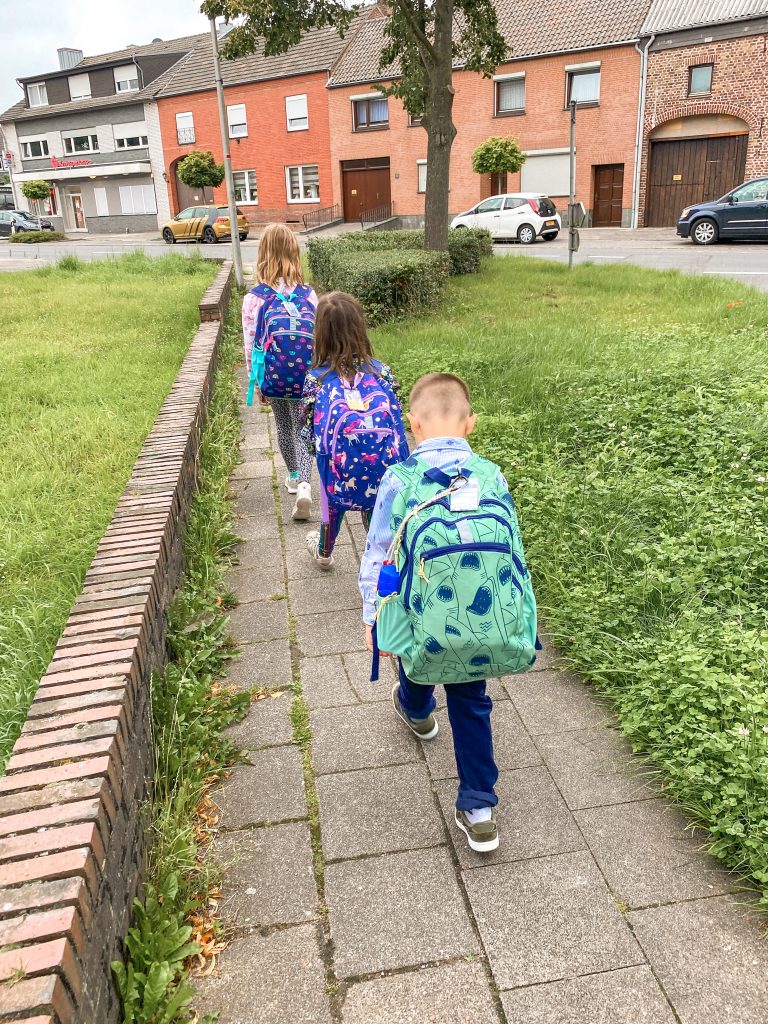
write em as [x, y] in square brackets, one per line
[545, 919]
[711, 957]
[331, 594]
[595, 767]
[532, 818]
[380, 810]
[253, 469]
[268, 876]
[628, 996]
[648, 856]
[554, 702]
[266, 665]
[262, 527]
[396, 911]
[301, 566]
[358, 665]
[547, 659]
[256, 554]
[254, 584]
[512, 745]
[449, 994]
[320, 634]
[259, 620]
[269, 789]
[268, 980]
[324, 682]
[267, 724]
[365, 736]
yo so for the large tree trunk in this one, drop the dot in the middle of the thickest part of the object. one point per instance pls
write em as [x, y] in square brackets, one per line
[440, 130]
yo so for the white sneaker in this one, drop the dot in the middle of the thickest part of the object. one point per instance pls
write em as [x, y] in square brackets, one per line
[291, 484]
[313, 540]
[303, 505]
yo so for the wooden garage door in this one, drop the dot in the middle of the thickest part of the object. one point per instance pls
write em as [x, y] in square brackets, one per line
[685, 171]
[366, 186]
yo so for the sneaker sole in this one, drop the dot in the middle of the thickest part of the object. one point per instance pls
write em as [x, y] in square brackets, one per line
[301, 509]
[419, 735]
[291, 487]
[487, 847]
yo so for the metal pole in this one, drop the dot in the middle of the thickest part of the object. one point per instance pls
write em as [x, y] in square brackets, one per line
[573, 238]
[233, 227]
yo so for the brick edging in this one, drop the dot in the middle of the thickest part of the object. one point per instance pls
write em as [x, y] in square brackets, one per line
[71, 835]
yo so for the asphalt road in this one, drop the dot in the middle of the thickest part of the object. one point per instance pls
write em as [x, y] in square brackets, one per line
[657, 248]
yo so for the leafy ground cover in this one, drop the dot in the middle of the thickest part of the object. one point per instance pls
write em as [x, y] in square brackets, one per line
[88, 354]
[629, 410]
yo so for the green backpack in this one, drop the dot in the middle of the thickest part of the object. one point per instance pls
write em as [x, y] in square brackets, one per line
[464, 608]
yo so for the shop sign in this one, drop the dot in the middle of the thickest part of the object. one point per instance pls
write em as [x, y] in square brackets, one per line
[55, 163]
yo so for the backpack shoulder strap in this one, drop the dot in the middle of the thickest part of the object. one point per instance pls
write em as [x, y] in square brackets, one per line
[263, 291]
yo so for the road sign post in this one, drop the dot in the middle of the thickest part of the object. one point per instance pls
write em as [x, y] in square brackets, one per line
[573, 231]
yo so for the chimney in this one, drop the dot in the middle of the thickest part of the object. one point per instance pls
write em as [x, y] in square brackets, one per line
[69, 58]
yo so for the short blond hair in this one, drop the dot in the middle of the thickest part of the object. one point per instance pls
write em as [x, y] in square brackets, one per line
[279, 257]
[440, 394]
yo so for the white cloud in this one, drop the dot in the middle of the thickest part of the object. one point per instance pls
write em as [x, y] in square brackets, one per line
[33, 31]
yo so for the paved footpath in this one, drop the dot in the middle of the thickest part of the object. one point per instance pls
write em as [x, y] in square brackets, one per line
[597, 908]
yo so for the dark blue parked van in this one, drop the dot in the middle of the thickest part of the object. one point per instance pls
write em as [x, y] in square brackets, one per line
[741, 213]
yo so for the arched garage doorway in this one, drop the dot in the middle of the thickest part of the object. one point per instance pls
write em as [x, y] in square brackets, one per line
[693, 160]
[186, 196]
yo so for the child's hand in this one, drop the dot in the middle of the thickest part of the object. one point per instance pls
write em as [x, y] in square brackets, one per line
[369, 642]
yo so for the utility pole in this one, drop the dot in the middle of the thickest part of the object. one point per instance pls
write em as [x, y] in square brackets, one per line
[233, 226]
[573, 231]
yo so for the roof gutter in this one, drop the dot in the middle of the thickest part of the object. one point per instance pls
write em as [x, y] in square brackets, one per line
[643, 51]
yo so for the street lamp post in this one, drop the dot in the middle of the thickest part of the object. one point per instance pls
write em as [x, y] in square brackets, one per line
[233, 226]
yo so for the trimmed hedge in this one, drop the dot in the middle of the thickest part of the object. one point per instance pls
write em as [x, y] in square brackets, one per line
[26, 237]
[388, 284]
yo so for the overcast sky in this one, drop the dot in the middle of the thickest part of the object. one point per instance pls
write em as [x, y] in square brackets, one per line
[31, 32]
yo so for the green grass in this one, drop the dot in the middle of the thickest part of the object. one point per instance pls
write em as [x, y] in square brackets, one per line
[88, 354]
[629, 410]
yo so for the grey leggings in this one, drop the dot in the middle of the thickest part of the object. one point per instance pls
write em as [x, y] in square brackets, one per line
[288, 425]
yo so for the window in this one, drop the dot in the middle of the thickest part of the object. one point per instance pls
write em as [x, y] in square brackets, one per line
[38, 96]
[700, 80]
[32, 148]
[421, 172]
[490, 205]
[245, 186]
[369, 113]
[238, 125]
[584, 85]
[303, 184]
[132, 142]
[79, 87]
[132, 135]
[546, 173]
[185, 129]
[296, 113]
[514, 203]
[126, 78]
[510, 95]
[81, 144]
[137, 199]
[414, 120]
[754, 192]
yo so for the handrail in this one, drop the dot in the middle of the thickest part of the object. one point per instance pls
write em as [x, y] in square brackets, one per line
[317, 218]
[379, 213]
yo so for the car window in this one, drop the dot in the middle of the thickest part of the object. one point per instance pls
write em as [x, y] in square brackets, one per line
[513, 203]
[546, 206]
[490, 204]
[4, 217]
[202, 211]
[754, 192]
[187, 214]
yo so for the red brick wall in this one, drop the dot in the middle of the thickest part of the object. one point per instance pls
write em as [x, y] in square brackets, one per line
[605, 133]
[269, 146]
[738, 88]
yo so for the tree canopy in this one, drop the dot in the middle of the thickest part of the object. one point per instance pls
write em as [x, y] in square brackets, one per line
[200, 170]
[498, 156]
[36, 189]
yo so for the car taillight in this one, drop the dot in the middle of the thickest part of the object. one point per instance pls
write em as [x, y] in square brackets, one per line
[533, 205]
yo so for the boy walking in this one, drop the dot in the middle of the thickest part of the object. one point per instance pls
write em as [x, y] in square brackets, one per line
[454, 600]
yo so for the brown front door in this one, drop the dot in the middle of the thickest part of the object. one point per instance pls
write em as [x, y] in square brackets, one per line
[686, 171]
[609, 192]
[365, 186]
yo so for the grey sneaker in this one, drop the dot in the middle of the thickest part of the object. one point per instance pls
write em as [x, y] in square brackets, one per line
[423, 728]
[483, 836]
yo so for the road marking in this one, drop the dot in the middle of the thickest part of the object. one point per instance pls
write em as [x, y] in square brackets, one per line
[737, 273]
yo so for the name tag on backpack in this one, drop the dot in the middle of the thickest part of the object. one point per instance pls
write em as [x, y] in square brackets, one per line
[354, 400]
[467, 497]
[290, 308]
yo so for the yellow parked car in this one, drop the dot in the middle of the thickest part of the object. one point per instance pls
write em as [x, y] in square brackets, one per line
[203, 224]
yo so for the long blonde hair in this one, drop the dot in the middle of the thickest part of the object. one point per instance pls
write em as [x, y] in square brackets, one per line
[279, 257]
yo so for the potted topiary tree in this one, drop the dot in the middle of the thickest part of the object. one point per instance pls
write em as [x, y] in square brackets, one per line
[200, 170]
[498, 157]
[36, 191]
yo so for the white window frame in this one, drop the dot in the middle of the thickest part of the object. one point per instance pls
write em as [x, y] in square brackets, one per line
[298, 102]
[181, 126]
[233, 113]
[516, 76]
[42, 139]
[126, 75]
[131, 130]
[301, 168]
[247, 202]
[144, 193]
[81, 95]
[122, 142]
[88, 133]
[421, 164]
[42, 94]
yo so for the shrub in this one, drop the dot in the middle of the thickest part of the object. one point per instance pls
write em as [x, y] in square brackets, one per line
[27, 237]
[484, 238]
[390, 284]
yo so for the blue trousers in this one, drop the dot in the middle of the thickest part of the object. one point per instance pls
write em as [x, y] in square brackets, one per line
[469, 711]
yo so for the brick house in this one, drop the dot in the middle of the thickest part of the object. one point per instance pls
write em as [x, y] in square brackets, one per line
[279, 128]
[705, 103]
[585, 50]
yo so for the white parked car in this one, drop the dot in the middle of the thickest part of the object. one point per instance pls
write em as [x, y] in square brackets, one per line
[521, 216]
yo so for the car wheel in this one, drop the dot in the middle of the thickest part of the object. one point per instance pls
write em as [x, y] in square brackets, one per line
[704, 232]
[243, 236]
[168, 236]
[209, 236]
[550, 237]
[526, 235]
